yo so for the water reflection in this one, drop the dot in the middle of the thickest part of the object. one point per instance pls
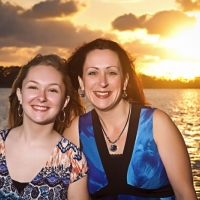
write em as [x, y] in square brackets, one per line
[183, 107]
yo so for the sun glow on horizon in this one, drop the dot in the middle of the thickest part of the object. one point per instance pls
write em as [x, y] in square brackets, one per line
[186, 42]
[172, 70]
[183, 60]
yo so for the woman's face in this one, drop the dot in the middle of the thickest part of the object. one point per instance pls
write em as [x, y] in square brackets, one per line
[103, 80]
[42, 94]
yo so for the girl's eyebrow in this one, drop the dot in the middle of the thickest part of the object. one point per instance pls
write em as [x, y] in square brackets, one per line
[51, 84]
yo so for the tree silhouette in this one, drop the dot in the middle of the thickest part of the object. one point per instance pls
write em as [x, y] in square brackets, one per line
[8, 75]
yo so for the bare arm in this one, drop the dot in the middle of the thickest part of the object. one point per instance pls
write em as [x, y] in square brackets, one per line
[173, 152]
[72, 133]
[78, 190]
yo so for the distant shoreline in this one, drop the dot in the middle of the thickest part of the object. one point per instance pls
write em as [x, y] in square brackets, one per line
[8, 75]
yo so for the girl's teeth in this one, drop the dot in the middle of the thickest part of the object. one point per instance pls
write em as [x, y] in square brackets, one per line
[40, 108]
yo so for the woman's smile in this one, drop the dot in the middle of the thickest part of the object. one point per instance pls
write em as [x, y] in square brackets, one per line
[102, 95]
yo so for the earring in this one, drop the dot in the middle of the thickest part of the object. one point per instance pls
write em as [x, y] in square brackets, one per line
[20, 115]
[82, 93]
[124, 95]
[63, 116]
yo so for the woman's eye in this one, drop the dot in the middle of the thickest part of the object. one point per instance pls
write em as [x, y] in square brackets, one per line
[112, 73]
[92, 73]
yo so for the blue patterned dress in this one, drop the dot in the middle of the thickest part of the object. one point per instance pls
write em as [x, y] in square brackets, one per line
[66, 165]
[139, 174]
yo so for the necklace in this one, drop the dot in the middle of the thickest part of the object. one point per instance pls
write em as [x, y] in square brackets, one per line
[113, 147]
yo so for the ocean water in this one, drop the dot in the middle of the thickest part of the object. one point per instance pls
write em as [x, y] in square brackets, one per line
[183, 107]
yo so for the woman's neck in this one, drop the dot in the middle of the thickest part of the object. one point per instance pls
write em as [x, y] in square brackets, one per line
[116, 114]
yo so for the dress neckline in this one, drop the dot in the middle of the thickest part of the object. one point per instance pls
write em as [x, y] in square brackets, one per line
[47, 163]
[112, 171]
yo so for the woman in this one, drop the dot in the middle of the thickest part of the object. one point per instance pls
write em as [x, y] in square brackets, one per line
[133, 151]
[36, 161]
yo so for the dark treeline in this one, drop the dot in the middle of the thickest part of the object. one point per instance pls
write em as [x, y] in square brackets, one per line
[8, 74]
[154, 82]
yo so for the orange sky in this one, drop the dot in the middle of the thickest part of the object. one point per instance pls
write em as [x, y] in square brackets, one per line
[163, 35]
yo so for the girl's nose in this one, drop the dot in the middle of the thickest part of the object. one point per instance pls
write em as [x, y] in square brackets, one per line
[42, 97]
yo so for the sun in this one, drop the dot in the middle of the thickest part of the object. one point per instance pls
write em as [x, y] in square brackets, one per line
[183, 58]
[187, 42]
[172, 70]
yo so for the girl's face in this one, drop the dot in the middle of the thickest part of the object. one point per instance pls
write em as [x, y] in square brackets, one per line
[103, 80]
[42, 94]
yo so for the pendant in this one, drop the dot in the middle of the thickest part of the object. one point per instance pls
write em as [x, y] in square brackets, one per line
[113, 147]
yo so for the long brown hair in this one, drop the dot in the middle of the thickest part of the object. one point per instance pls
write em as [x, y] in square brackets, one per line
[76, 62]
[73, 108]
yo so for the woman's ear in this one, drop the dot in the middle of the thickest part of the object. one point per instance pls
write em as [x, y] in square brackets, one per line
[80, 80]
[126, 82]
[19, 95]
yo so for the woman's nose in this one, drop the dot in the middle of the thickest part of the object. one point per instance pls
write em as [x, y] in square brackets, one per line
[103, 81]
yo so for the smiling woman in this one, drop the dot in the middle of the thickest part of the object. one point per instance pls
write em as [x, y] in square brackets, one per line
[133, 151]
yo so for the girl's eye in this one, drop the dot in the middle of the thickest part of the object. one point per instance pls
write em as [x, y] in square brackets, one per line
[32, 87]
[53, 90]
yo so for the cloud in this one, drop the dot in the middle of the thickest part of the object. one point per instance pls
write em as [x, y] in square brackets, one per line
[52, 8]
[126, 22]
[167, 23]
[189, 5]
[163, 23]
[8, 18]
[18, 31]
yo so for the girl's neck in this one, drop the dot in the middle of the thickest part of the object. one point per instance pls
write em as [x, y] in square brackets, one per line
[36, 133]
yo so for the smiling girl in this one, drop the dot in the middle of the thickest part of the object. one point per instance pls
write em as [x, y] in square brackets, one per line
[36, 161]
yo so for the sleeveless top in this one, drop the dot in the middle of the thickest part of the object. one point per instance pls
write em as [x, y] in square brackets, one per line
[139, 174]
[65, 165]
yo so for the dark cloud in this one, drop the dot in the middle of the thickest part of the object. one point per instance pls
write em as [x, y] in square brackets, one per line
[164, 23]
[18, 31]
[189, 5]
[126, 22]
[8, 18]
[52, 8]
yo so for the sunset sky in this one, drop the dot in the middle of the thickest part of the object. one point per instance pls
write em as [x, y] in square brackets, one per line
[163, 35]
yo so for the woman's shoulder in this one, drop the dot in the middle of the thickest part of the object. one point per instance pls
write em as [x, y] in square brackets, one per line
[164, 127]
[71, 133]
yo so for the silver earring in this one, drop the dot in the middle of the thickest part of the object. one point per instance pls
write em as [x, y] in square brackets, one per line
[20, 115]
[63, 116]
[124, 95]
[82, 93]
